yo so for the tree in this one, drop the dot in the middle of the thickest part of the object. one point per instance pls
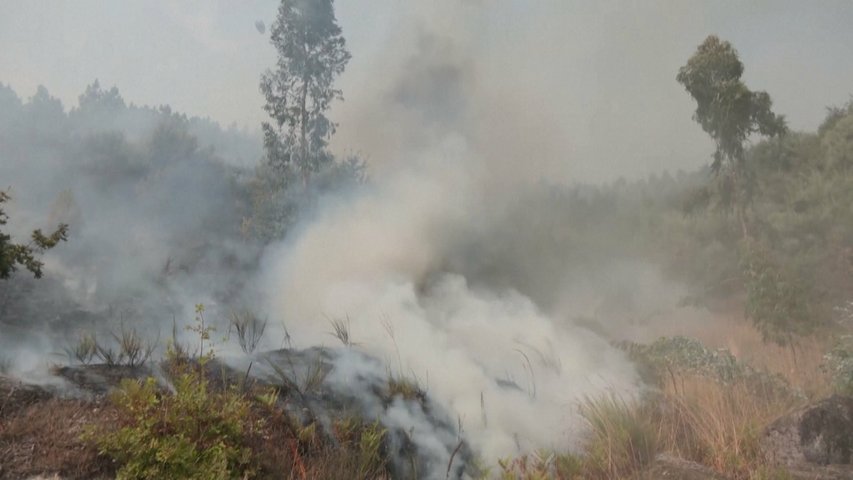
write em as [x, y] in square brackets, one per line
[311, 54]
[12, 254]
[729, 112]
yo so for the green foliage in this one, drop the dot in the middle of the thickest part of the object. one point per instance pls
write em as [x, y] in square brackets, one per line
[838, 144]
[729, 112]
[366, 440]
[779, 301]
[193, 432]
[726, 109]
[14, 254]
[311, 53]
[670, 357]
[838, 362]
[203, 331]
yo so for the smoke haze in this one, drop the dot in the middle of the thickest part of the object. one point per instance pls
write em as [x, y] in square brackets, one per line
[457, 265]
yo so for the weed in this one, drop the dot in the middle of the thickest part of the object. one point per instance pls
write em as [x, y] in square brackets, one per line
[133, 349]
[84, 350]
[622, 437]
[250, 329]
[314, 375]
[203, 331]
[407, 388]
[341, 330]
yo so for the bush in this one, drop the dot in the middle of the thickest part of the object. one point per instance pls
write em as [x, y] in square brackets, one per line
[192, 433]
[839, 365]
[780, 302]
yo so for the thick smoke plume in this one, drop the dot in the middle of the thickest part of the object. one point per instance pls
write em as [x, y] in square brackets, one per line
[378, 262]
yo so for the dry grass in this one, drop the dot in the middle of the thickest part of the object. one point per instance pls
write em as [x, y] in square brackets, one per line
[694, 417]
[716, 424]
[719, 425]
[44, 438]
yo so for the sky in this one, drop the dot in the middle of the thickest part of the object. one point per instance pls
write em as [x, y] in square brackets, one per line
[581, 90]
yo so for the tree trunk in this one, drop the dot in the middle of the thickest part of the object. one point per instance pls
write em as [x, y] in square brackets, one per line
[303, 154]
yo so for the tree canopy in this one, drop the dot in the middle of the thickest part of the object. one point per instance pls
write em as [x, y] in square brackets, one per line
[13, 254]
[311, 54]
[726, 109]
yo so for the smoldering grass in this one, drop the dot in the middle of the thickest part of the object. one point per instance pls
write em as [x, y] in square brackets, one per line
[549, 359]
[392, 334]
[529, 366]
[461, 437]
[249, 327]
[314, 375]
[287, 340]
[407, 386]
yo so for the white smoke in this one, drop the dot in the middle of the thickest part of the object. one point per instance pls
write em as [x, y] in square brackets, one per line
[509, 372]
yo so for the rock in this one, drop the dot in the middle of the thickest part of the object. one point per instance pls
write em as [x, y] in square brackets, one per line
[815, 441]
[667, 466]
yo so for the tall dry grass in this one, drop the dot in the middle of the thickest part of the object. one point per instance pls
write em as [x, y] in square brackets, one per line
[695, 417]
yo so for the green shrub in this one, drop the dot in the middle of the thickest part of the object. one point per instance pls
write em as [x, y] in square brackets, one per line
[779, 302]
[193, 432]
[839, 364]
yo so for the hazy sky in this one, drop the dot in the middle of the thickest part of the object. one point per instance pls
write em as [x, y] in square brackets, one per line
[589, 82]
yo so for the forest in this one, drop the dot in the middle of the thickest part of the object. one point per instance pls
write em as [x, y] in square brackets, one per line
[180, 299]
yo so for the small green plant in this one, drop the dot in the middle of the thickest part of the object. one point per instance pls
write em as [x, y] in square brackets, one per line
[203, 331]
[366, 440]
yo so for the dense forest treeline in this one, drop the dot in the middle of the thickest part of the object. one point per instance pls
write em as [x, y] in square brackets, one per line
[93, 156]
